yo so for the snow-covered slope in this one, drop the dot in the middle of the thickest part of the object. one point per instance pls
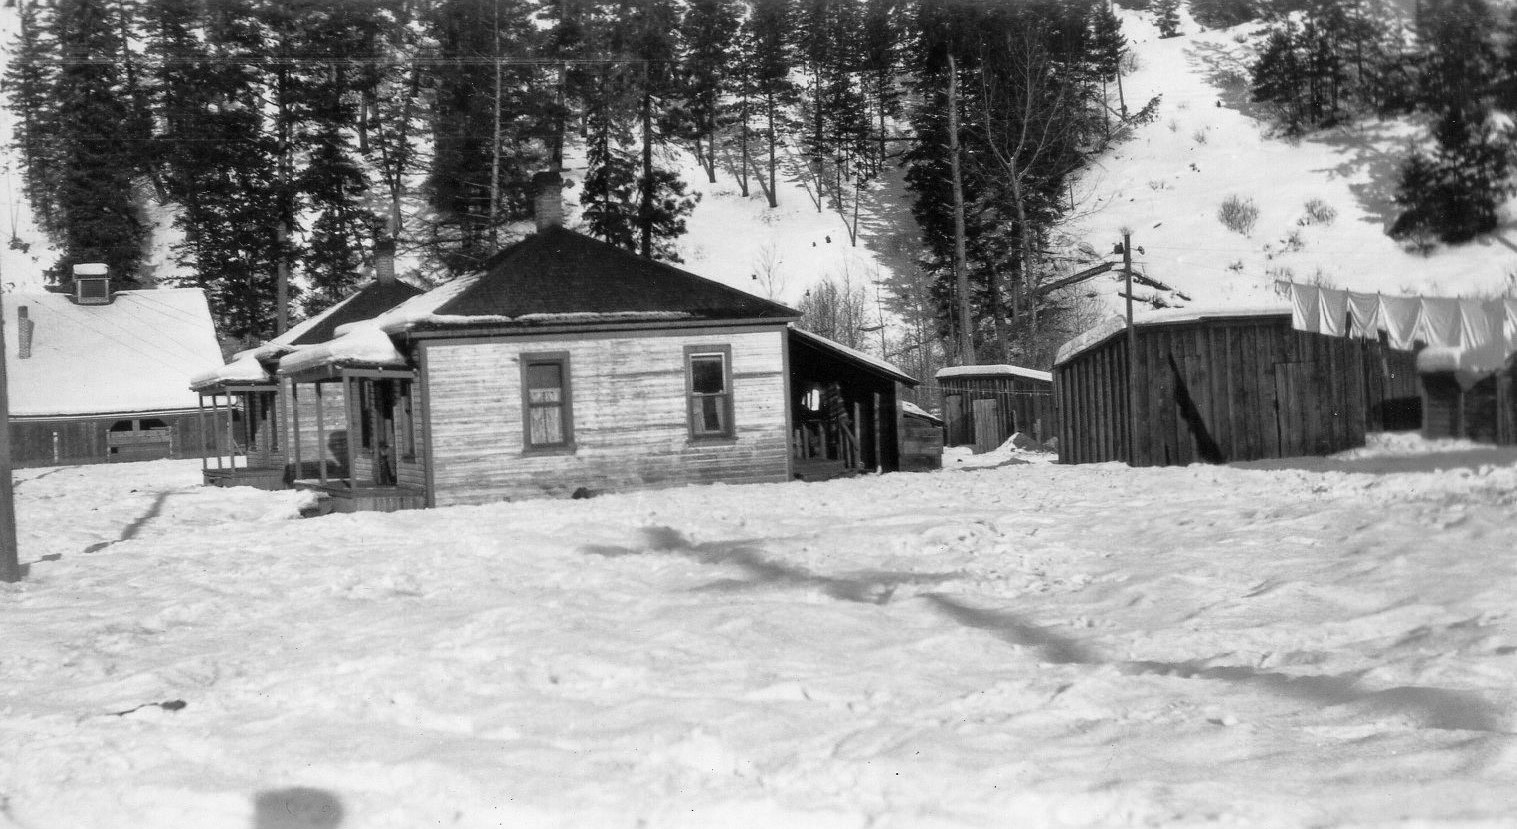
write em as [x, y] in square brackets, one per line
[1327, 643]
[1209, 143]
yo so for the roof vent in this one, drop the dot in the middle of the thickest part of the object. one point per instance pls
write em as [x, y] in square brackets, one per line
[91, 284]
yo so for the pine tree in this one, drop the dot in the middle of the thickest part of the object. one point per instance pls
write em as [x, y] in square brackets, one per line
[1279, 78]
[30, 82]
[98, 153]
[1454, 194]
[879, 68]
[708, 31]
[1167, 17]
[770, 57]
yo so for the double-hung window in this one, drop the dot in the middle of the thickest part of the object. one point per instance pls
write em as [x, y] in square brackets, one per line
[547, 410]
[708, 382]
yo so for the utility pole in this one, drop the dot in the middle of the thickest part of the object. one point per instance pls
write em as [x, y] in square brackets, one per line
[1132, 351]
[10, 563]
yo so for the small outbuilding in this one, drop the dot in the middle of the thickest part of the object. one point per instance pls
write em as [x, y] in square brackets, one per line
[1468, 394]
[985, 405]
[1229, 385]
[97, 375]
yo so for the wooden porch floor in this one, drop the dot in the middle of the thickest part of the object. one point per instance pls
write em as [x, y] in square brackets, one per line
[337, 497]
[260, 477]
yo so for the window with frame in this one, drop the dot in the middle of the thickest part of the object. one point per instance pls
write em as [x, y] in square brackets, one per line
[708, 380]
[547, 410]
[405, 420]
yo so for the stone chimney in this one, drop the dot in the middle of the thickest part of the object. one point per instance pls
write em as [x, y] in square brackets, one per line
[92, 284]
[24, 327]
[548, 200]
[384, 261]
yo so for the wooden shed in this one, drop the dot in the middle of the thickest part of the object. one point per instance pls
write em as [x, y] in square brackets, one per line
[845, 409]
[1225, 386]
[99, 376]
[1468, 394]
[985, 405]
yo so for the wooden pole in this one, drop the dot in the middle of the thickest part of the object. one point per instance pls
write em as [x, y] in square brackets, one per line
[879, 440]
[1132, 350]
[231, 435]
[348, 389]
[205, 452]
[10, 562]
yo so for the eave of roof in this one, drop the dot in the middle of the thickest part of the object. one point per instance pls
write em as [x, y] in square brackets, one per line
[869, 363]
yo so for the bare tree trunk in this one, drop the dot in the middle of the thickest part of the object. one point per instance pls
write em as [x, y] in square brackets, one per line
[960, 275]
[773, 154]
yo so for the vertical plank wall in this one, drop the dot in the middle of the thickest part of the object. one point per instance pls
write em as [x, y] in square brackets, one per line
[1226, 389]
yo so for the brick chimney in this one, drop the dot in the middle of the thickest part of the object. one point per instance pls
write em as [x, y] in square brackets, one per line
[548, 200]
[384, 261]
[24, 327]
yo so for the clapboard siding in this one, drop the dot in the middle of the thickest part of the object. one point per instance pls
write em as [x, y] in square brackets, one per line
[629, 421]
[1227, 388]
[82, 440]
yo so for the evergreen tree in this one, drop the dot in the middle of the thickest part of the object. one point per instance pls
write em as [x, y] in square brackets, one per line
[1458, 65]
[1455, 194]
[708, 31]
[770, 58]
[879, 68]
[30, 83]
[1167, 17]
[98, 152]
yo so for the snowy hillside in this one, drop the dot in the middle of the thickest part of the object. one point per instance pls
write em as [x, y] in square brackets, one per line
[1166, 185]
[1315, 642]
[1209, 143]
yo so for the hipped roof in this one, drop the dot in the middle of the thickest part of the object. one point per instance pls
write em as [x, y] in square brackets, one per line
[560, 276]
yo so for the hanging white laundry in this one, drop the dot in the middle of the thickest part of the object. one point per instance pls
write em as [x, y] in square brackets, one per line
[1333, 318]
[1401, 316]
[1306, 310]
[1440, 324]
[1511, 323]
[1475, 325]
[1365, 315]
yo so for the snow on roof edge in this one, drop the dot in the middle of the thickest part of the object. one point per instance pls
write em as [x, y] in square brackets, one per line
[1174, 316]
[993, 370]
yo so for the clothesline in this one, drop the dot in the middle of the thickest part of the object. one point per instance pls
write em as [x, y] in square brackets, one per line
[1440, 322]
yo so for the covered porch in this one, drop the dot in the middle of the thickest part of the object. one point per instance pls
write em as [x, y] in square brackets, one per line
[367, 458]
[843, 409]
[250, 453]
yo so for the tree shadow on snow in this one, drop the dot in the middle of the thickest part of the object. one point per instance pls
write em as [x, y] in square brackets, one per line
[130, 530]
[868, 586]
[1427, 707]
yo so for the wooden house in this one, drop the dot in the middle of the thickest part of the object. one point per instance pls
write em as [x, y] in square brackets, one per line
[258, 409]
[567, 366]
[985, 405]
[1468, 394]
[1225, 386]
[98, 375]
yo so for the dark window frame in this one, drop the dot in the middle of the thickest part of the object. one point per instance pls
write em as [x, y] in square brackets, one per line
[565, 405]
[728, 408]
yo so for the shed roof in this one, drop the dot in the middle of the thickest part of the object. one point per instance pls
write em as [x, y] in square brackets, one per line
[996, 370]
[136, 354]
[869, 363]
[1114, 325]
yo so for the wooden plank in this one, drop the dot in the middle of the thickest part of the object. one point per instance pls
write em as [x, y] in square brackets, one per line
[986, 438]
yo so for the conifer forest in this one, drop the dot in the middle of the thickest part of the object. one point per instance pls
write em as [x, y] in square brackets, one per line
[300, 136]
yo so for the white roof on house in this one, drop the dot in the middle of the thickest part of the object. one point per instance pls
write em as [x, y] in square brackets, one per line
[996, 370]
[247, 366]
[136, 354]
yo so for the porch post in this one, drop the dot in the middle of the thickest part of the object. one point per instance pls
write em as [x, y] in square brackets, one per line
[231, 455]
[295, 426]
[205, 459]
[348, 401]
[879, 443]
[321, 438]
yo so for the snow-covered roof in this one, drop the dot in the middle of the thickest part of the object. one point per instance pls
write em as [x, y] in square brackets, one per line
[856, 356]
[136, 354]
[1113, 325]
[997, 370]
[363, 345]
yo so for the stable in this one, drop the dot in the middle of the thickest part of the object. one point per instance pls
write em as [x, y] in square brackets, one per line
[97, 375]
[1228, 385]
[259, 410]
[568, 366]
[985, 405]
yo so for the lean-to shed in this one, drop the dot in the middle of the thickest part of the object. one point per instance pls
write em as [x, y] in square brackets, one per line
[1226, 385]
[98, 375]
[985, 405]
[1468, 394]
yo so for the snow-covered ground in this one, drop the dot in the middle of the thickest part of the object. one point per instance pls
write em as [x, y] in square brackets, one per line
[1326, 642]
